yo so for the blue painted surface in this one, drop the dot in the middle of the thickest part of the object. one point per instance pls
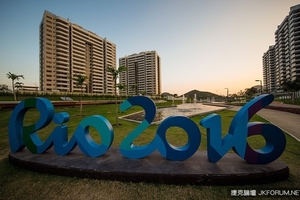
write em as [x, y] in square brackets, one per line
[240, 128]
[217, 146]
[127, 148]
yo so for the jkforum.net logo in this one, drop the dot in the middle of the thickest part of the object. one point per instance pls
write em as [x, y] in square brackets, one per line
[269, 193]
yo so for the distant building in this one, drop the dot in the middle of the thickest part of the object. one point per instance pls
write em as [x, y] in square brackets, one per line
[28, 88]
[269, 72]
[67, 49]
[143, 74]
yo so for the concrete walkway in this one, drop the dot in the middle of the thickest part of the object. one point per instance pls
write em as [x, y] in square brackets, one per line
[288, 122]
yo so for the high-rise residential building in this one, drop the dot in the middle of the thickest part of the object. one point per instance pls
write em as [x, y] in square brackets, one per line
[269, 75]
[67, 50]
[282, 61]
[282, 52]
[143, 74]
[287, 47]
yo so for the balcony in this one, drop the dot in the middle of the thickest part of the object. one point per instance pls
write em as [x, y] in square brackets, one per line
[81, 67]
[62, 42]
[62, 80]
[96, 40]
[61, 27]
[62, 55]
[78, 56]
[80, 34]
[77, 52]
[96, 53]
[77, 70]
[60, 22]
[61, 48]
[78, 47]
[77, 63]
[294, 70]
[77, 39]
[62, 33]
[97, 49]
[96, 62]
[297, 37]
[62, 71]
[62, 62]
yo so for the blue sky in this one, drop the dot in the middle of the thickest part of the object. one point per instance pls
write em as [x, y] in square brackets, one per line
[206, 45]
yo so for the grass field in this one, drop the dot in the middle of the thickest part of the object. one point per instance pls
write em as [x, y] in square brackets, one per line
[18, 183]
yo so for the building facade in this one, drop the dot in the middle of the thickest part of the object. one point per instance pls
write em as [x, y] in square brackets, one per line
[143, 74]
[287, 48]
[67, 50]
[281, 62]
[269, 72]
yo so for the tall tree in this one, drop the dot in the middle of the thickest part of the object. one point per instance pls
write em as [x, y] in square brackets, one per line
[291, 86]
[251, 92]
[285, 86]
[4, 88]
[134, 88]
[80, 81]
[13, 77]
[115, 74]
[121, 88]
[241, 94]
[297, 85]
[18, 85]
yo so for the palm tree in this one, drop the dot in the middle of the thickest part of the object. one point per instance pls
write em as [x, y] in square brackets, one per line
[121, 88]
[286, 87]
[134, 88]
[80, 80]
[233, 97]
[241, 94]
[297, 85]
[291, 86]
[14, 77]
[251, 92]
[18, 85]
[115, 74]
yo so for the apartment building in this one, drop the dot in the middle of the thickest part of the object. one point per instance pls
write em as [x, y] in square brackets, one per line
[269, 75]
[282, 60]
[143, 74]
[287, 47]
[67, 49]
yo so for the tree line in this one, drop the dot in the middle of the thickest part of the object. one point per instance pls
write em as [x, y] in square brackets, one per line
[287, 88]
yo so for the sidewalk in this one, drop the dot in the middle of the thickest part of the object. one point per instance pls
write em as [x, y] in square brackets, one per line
[288, 122]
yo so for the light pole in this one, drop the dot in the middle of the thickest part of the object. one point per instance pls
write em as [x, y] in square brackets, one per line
[227, 94]
[260, 85]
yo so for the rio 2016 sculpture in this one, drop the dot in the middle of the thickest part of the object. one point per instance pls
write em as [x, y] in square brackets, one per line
[217, 146]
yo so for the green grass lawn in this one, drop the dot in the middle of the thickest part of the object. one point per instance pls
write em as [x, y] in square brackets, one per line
[18, 183]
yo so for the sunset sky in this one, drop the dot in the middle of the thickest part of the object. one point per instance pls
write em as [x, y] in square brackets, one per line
[208, 45]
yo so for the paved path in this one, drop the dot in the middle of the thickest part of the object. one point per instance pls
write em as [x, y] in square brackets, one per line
[288, 122]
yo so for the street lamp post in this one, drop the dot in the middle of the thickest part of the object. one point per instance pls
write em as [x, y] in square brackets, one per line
[260, 85]
[227, 94]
